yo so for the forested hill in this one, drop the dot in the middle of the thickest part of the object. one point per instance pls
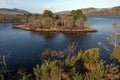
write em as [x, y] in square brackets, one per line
[115, 11]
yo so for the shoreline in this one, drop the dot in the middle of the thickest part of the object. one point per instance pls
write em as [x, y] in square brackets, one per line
[23, 27]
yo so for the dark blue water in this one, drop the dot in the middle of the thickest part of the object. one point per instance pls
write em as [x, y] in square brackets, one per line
[24, 47]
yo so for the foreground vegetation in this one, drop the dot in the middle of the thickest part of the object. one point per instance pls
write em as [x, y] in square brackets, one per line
[86, 65]
[66, 65]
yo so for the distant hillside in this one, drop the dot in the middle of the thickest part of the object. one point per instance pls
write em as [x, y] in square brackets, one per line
[15, 11]
[115, 11]
[88, 11]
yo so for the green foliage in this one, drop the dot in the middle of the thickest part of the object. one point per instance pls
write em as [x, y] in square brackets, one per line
[49, 69]
[47, 13]
[77, 14]
[112, 72]
[116, 53]
[37, 72]
[77, 77]
[23, 75]
[68, 64]
[77, 20]
[45, 70]
[90, 55]
[97, 74]
[55, 69]
[95, 68]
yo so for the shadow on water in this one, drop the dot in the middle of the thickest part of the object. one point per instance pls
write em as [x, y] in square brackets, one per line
[45, 35]
[51, 35]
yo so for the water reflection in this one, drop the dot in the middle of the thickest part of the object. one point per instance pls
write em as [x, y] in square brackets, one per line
[51, 35]
[45, 35]
[75, 36]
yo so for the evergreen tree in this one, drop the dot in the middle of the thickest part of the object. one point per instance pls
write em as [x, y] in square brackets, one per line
[47, 13]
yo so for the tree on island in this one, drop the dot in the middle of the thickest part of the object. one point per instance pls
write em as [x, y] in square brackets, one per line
[77, 14]
[47, 13]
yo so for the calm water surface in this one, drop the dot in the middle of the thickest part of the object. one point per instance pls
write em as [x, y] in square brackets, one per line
[24, 47]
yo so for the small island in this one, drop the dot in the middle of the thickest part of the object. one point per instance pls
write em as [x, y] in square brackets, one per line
[76, 21]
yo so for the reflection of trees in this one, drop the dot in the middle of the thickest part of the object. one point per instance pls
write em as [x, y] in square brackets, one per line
[75, 35]
[51, 35]
[46, 35]
[70, 35]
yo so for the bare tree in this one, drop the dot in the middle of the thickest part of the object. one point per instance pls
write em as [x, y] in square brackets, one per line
[116, 28]
[3, 62]
[114, 38]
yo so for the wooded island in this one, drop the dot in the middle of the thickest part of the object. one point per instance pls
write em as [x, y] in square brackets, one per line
[48, 21]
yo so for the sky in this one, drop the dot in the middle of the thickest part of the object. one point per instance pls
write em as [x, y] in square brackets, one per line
[38, 6]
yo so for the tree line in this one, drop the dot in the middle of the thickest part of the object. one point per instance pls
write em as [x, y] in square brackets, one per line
[17, 18]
